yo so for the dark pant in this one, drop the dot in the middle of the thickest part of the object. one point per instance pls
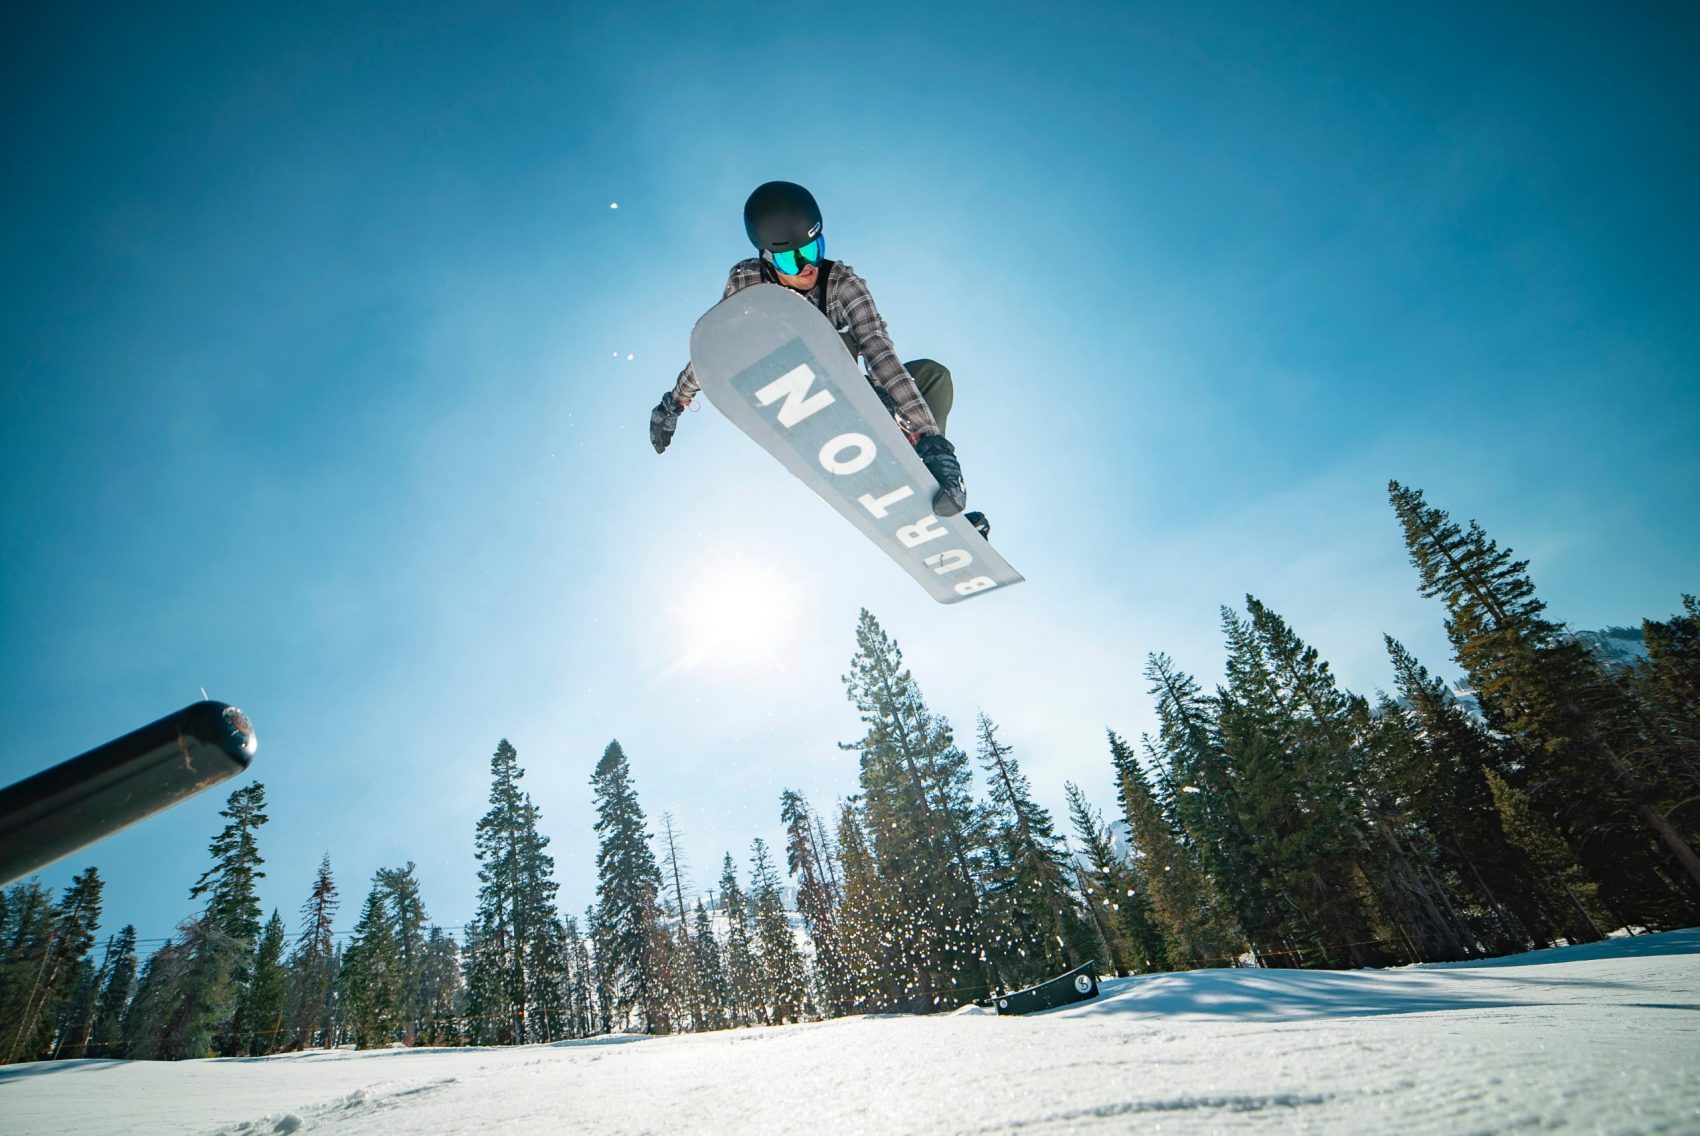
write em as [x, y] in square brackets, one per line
[933, 379]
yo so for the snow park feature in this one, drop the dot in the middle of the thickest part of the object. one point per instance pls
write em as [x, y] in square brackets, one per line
[1595, 1038]
[771, 363]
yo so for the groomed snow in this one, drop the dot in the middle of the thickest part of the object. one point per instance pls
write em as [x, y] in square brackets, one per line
[1603, 1038]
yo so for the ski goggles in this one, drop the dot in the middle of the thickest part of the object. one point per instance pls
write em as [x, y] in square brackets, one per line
[792, 261]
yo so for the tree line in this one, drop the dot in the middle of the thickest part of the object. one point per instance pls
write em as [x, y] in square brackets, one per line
[1278, 820]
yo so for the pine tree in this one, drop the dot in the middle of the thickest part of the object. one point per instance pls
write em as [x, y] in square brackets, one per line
[407, 924]
[585, 1013]
[152, 1027]
[509, 936]
[1673, 647]
[312, 973]
[118, 986]
[784, 982]
[1115, 894]
[441, 997]
[75, 1016]
[1342, 861]
[27, 943]
[1447, 790]
[927, 833]
[222, 939]
[1185, 904]
[551, 986]
[370, 979]
[1563, 884]
[742, 966]
[69, 935]
[1035, 928]
[807, 862]
[709, 970]
[869, 927]
[632, 946]
[602, 990]
[1204, 799]
[264, 1002]
[1580, 736]
[1669, 685]
[1418, 893]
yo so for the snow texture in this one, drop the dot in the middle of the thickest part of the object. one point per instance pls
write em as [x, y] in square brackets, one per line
[1601, 1038]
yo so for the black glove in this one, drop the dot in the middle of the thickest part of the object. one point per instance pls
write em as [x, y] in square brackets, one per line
[663, 420]
[940, 459]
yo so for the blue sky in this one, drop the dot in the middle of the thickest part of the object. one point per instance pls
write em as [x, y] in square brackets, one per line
[327, 365]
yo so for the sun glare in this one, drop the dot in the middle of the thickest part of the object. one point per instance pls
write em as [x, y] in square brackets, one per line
[741, 614]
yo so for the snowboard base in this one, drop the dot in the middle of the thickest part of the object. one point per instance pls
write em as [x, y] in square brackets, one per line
[769, 361]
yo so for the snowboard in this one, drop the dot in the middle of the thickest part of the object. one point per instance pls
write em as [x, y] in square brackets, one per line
[772, 363]
[1076, 985]
[112, 786]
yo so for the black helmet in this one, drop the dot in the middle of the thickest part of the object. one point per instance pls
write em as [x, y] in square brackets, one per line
[781, 216]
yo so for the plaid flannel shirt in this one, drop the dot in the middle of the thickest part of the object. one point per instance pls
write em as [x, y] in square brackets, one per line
[852, 312]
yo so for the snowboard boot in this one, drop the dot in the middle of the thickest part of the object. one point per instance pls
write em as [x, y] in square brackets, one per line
[981, 524]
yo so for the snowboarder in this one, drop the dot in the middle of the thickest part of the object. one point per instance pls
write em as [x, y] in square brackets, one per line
[784, 224]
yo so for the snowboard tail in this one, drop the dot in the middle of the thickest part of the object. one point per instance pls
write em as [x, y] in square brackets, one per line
[769, 361]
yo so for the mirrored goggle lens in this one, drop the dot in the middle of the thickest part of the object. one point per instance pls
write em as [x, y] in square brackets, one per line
[792, 261]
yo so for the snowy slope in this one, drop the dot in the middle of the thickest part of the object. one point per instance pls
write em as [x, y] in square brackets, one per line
[1603, 1038]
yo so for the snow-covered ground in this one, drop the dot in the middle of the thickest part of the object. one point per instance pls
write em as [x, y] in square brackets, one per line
[1604, 1038]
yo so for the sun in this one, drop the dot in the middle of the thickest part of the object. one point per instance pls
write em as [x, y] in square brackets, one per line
[741, 614]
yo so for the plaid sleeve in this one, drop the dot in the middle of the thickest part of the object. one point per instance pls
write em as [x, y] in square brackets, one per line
[867, 328]
[743, 275]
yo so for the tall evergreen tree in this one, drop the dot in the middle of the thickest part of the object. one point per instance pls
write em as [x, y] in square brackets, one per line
[632, 946]
[1205, 800]
[1341, 860]
[312, 972]
[75, 1016]
[582, 992]
[1185, 904]
[442, 998]
[1447, 789]
[1582, 739]
[408, 923]
[784, 982]
[370, 979]
[927, 832]
[709, 970]
[602, 989]
[1115, 894]
[1562, 883]
[28, 920]
[516, 908]
[1669, 685]
[742, 966]
[231, 884]
[118, 986]
[40, 991]
[25, 914]
[870, 929]
[222, 939]
[265, 1001]
[190, 994]
[807, 862]
[153, 1024]
[1035, 927]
